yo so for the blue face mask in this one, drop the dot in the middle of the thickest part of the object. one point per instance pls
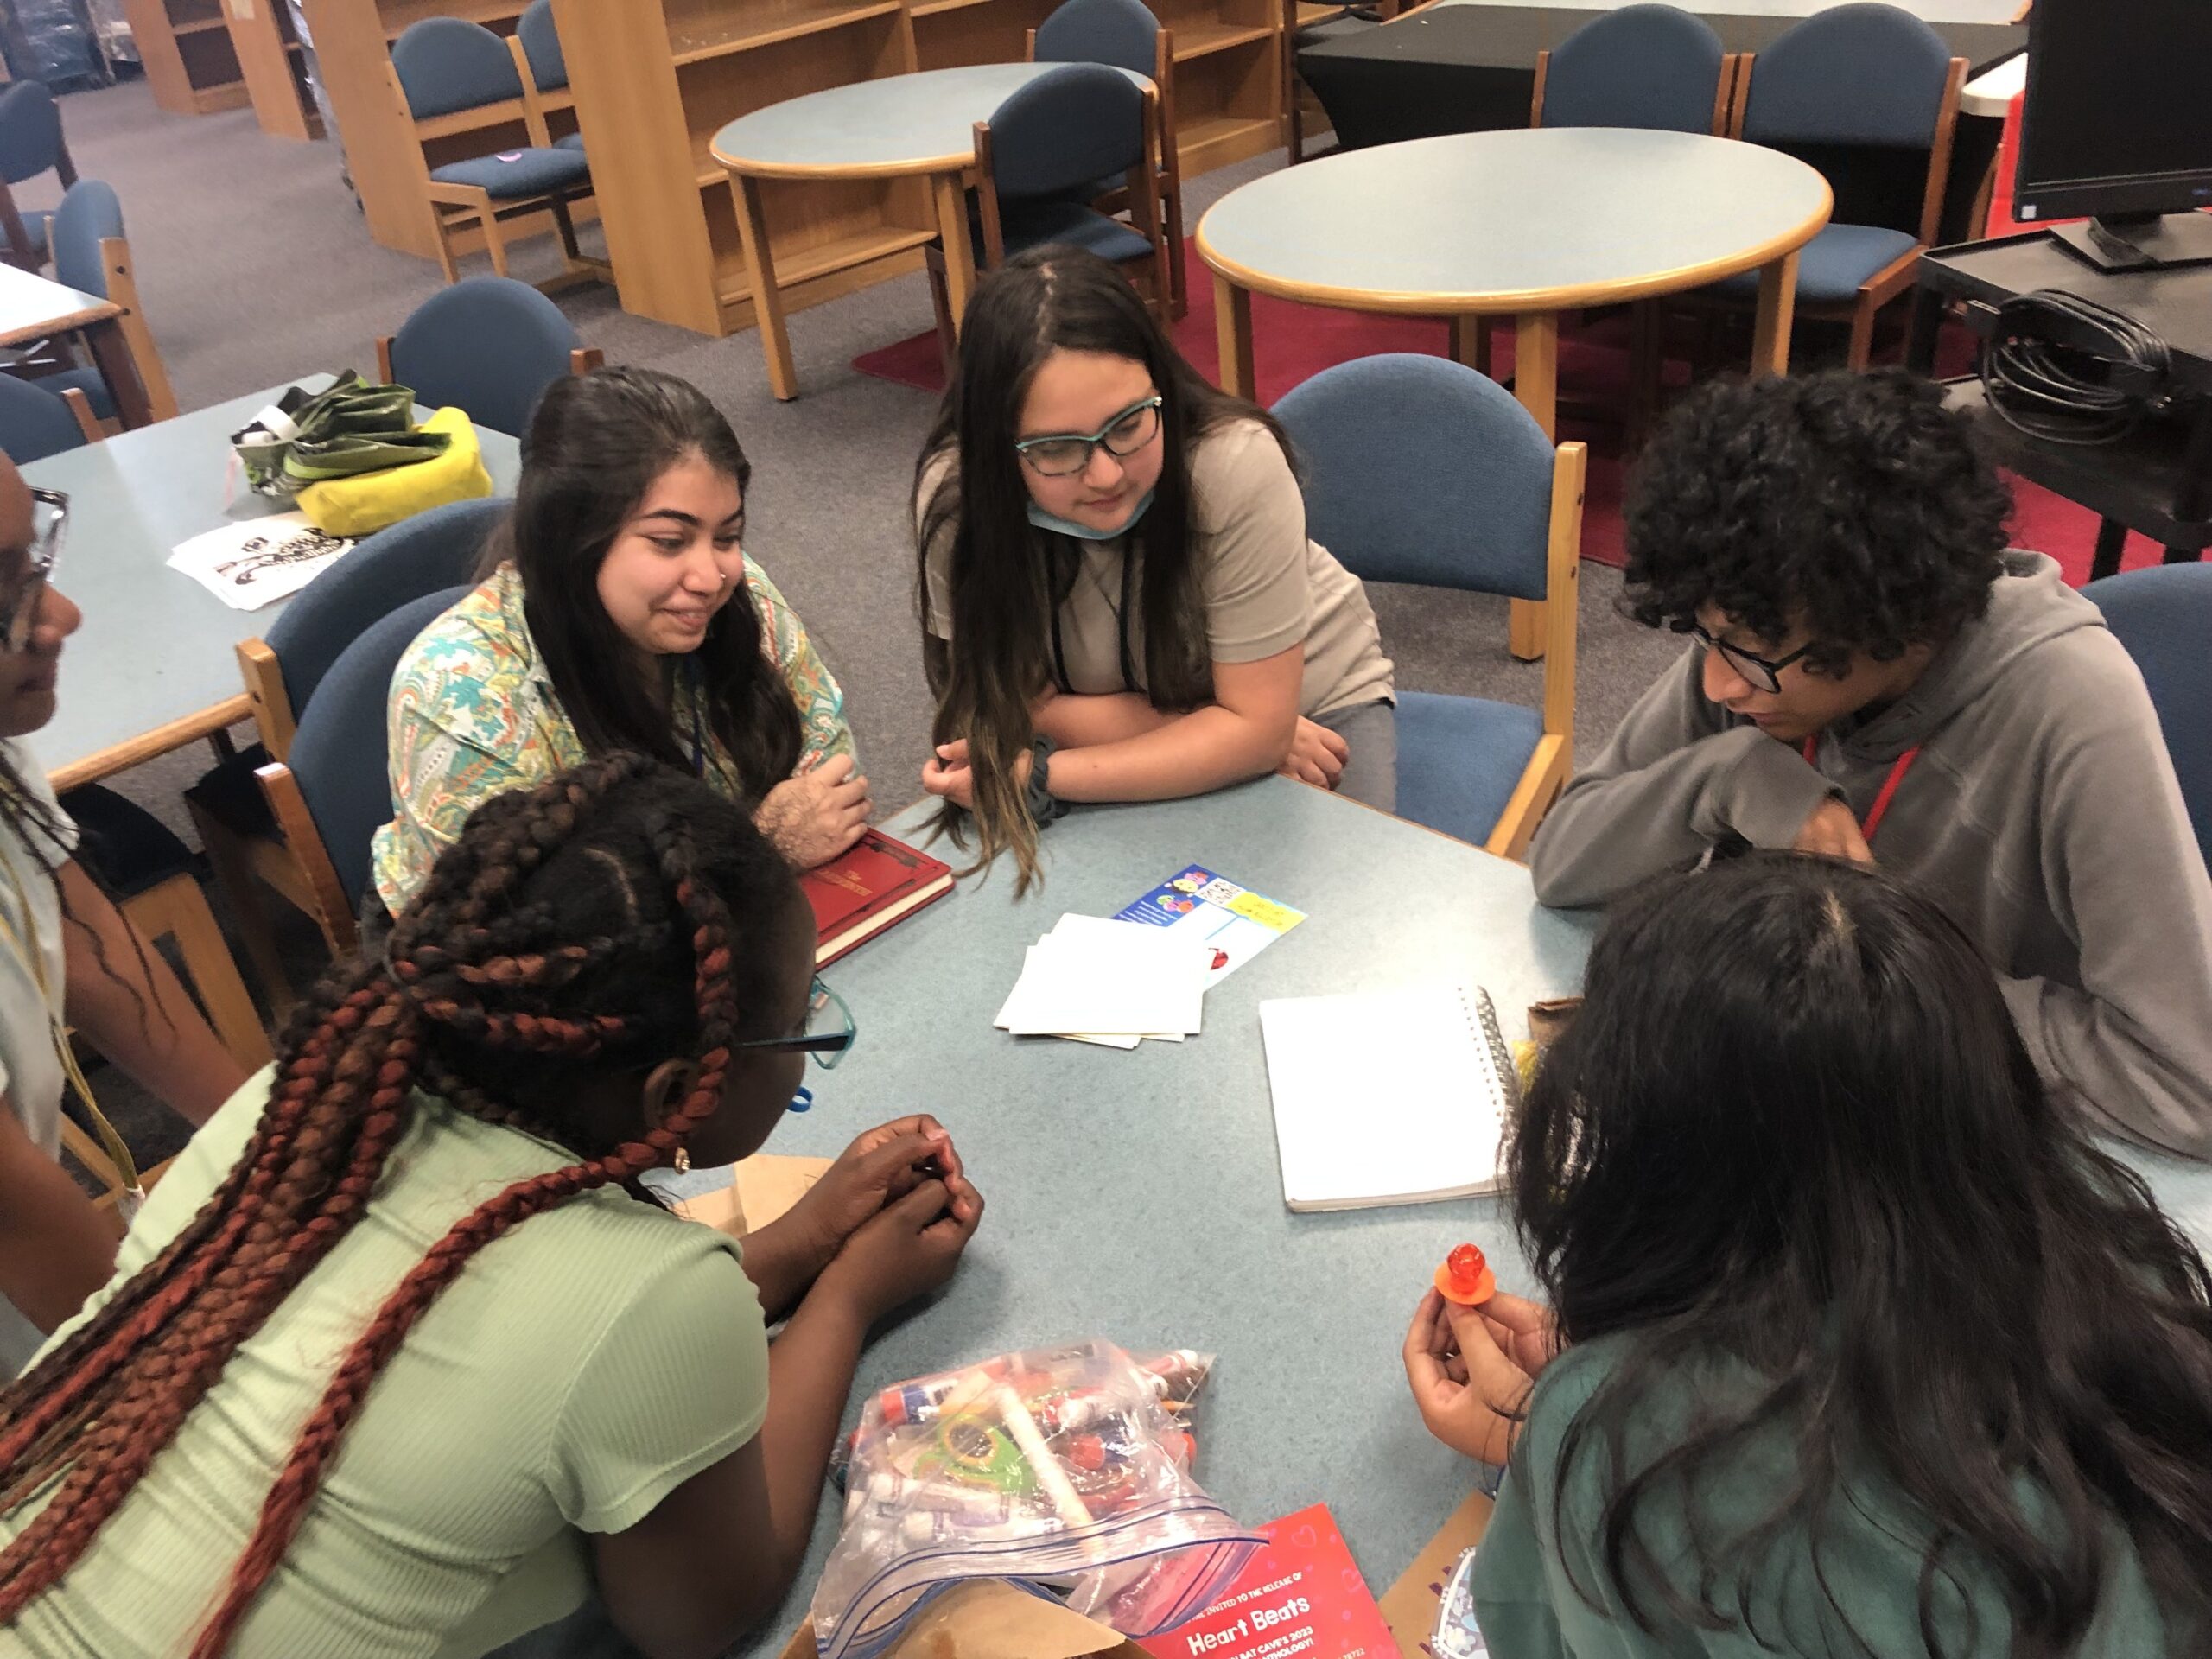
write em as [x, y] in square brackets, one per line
[1045, 520]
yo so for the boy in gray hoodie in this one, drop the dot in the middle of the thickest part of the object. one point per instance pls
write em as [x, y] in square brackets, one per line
[1873, 676]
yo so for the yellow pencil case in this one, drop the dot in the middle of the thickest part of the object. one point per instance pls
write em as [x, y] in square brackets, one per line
[369, 501]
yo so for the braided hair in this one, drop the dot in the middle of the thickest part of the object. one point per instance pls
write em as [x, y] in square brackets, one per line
[591, 921]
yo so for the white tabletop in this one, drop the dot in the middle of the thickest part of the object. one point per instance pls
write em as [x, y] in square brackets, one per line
[1137, 1196]
[31, 306]
[1537, 220]
[155, 647]
[1992, 93]
[922, 122]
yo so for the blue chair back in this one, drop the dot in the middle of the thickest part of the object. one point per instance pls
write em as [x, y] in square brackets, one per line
[1644, 65]
[1122, 33]
[88, 215]
[430, 552]
[449, 64]
[1068, 127]
[541, 44]
[489, 344]
[30, 131]
[339, 753]
[1865, 73]
[34, 422]
[2163, 616]
[1419, 469]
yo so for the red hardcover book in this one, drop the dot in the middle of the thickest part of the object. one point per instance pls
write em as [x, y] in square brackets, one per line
[877, 884]
[1300, 1597]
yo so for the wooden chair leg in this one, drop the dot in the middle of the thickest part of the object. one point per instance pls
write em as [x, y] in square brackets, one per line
[564, 223]
[495, 243]
[443, 234]
[178, 908]
[1862, 333]
[241, 891]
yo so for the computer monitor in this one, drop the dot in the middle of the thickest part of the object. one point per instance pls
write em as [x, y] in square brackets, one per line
[2118, 126]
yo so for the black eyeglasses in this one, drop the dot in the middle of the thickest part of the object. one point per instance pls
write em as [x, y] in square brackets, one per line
[1764, 673]
[1061, 453]
[19, 609]
[827, 1033]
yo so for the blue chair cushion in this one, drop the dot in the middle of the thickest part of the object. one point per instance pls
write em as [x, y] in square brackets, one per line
[1459, 760]
[91, 382]
[574, 141]
[530, 173]
[1833, 265]
[124, 845]
[1025, 224]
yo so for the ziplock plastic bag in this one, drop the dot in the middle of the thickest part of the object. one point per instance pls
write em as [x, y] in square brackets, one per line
[1061, 1470]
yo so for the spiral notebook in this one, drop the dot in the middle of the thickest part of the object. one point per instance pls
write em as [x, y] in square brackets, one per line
[1388, 1098]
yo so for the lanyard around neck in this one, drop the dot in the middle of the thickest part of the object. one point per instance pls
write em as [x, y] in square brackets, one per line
[1884, 796]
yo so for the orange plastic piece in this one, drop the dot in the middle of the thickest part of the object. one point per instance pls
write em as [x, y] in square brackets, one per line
[1465, 1278]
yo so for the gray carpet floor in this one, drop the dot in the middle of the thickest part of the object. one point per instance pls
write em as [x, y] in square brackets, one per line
[254, 267]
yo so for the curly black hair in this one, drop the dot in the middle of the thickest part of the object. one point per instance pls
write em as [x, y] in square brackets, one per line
[1854, 502]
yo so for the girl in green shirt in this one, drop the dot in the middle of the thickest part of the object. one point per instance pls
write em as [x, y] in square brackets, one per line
[400, 1358]
[1857, 1344]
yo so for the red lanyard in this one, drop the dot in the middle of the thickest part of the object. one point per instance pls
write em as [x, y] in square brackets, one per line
[1885, 795]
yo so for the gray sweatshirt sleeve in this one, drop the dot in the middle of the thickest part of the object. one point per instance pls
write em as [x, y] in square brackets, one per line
[2124, 879]
[1673, 780]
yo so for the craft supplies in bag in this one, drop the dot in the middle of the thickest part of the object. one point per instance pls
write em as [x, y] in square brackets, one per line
[347, 428]
[364, 503]
[1064, 1471]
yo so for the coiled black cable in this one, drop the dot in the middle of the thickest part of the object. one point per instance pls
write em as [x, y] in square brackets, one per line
[2072, 393]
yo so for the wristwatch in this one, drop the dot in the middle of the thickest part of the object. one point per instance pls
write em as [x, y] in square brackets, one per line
[1044, 807]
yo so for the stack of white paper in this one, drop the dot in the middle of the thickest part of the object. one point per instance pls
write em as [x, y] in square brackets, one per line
[1114, 983]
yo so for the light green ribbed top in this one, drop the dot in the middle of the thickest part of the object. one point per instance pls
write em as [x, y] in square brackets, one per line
[575, 1373]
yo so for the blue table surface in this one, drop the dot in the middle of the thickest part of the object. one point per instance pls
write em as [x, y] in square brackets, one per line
[1135, 1195]
[156, 646]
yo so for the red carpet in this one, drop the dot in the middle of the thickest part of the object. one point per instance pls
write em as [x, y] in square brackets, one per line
[1291, 342]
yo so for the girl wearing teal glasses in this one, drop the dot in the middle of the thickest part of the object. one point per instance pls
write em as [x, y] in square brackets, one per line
[1119, 602]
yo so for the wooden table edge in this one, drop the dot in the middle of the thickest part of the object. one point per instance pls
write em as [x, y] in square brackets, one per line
[1521, 301]
[104, 311]
[903, 169]
[134, 751]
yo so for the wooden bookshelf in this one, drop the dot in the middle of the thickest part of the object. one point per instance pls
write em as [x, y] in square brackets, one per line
[388, 163]
[188, 55]
[654, 80]
[270, 58]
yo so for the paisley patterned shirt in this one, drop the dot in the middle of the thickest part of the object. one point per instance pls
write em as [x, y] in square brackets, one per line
[474, 713]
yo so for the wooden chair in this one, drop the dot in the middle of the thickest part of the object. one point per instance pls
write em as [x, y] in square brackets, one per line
[38, 419]
[151, 872]
[1125, 33]
[453, 76]
[330, 795]
[1652, 66]
[1419, 469]
[433, 553]
[92, 256]
[31, 143]
[490, 346]
[1041, 148]
[1906, 95]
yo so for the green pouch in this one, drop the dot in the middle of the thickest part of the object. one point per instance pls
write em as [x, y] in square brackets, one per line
[350, 426]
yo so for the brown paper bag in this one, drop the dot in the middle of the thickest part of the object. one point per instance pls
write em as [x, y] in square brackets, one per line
[1409, 1605]
[766, 1187]
[989, 1618]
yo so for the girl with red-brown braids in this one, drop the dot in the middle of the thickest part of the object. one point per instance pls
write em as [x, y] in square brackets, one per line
[340, 1401]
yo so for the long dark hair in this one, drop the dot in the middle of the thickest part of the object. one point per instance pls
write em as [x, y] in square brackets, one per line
[1007, 578]
[618, 915]
[596, 444]
[1795, 1153]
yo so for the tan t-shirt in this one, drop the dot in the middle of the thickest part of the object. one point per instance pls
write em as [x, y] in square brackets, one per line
[1267, 587]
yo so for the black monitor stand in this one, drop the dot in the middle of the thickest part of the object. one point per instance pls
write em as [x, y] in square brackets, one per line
[2150, 242]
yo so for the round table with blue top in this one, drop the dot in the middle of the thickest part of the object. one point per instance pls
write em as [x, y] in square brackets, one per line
[920, 126]
[1527, 223]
